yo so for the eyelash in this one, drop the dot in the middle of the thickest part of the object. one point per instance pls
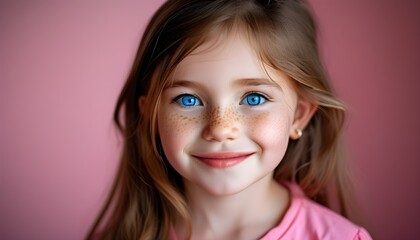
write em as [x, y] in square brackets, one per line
[197, 102]
[179, 100]
[260, 95]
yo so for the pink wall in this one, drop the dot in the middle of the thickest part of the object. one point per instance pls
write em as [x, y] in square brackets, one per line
[62, 65]
[372, 50]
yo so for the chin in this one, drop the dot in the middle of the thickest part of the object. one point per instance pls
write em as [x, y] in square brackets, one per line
[225, 189]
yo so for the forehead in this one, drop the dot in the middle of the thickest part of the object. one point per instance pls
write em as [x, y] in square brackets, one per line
[221, 55]
[226, 58]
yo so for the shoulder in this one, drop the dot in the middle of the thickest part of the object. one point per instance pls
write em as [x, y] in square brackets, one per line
[325, 223]
[306, 219]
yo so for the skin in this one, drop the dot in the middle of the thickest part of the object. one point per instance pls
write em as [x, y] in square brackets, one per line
[240, 201]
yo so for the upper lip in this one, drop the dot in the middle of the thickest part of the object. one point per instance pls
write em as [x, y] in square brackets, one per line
[222, 155]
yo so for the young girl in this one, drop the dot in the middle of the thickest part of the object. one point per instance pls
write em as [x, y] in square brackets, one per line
[230, 129]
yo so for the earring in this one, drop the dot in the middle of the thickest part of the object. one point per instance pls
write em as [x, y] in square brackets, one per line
[298, 133]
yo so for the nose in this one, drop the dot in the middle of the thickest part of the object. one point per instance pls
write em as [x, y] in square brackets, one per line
[222, 126]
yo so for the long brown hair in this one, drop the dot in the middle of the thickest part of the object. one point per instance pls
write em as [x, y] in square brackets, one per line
[147, 195]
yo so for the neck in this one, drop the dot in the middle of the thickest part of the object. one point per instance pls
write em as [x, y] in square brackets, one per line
[251, 212]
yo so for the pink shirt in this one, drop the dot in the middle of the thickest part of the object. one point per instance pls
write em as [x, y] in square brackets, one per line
[307, 220]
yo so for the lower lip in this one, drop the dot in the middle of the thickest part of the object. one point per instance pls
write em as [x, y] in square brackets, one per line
[223, 163]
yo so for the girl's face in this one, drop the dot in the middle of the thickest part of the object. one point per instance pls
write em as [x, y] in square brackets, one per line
[223, 123]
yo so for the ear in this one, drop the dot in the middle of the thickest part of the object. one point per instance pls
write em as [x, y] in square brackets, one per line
[142, 104]
[305, 109]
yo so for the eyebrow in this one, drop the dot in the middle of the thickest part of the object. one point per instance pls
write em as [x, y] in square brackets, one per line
[237, 83]
[184, 83]
[256, 82]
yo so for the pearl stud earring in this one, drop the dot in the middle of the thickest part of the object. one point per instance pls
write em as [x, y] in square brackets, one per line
[297, 134]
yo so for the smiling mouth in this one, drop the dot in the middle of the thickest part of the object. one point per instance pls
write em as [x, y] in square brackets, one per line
[222, 159]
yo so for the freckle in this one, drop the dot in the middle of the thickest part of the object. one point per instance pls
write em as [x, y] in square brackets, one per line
[256, 120]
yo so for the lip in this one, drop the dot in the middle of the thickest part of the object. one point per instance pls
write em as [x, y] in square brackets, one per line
[222, 159]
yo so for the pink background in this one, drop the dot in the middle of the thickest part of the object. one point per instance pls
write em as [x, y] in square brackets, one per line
[62, 65]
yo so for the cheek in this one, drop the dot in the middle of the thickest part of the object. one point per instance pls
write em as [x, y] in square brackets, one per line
[270, 131]
[175, 131]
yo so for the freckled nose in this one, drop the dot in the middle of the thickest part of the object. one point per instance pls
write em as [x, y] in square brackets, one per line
[221, 126]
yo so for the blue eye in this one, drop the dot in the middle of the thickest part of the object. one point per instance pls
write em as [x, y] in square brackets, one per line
[254, 99]
[188, 100]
